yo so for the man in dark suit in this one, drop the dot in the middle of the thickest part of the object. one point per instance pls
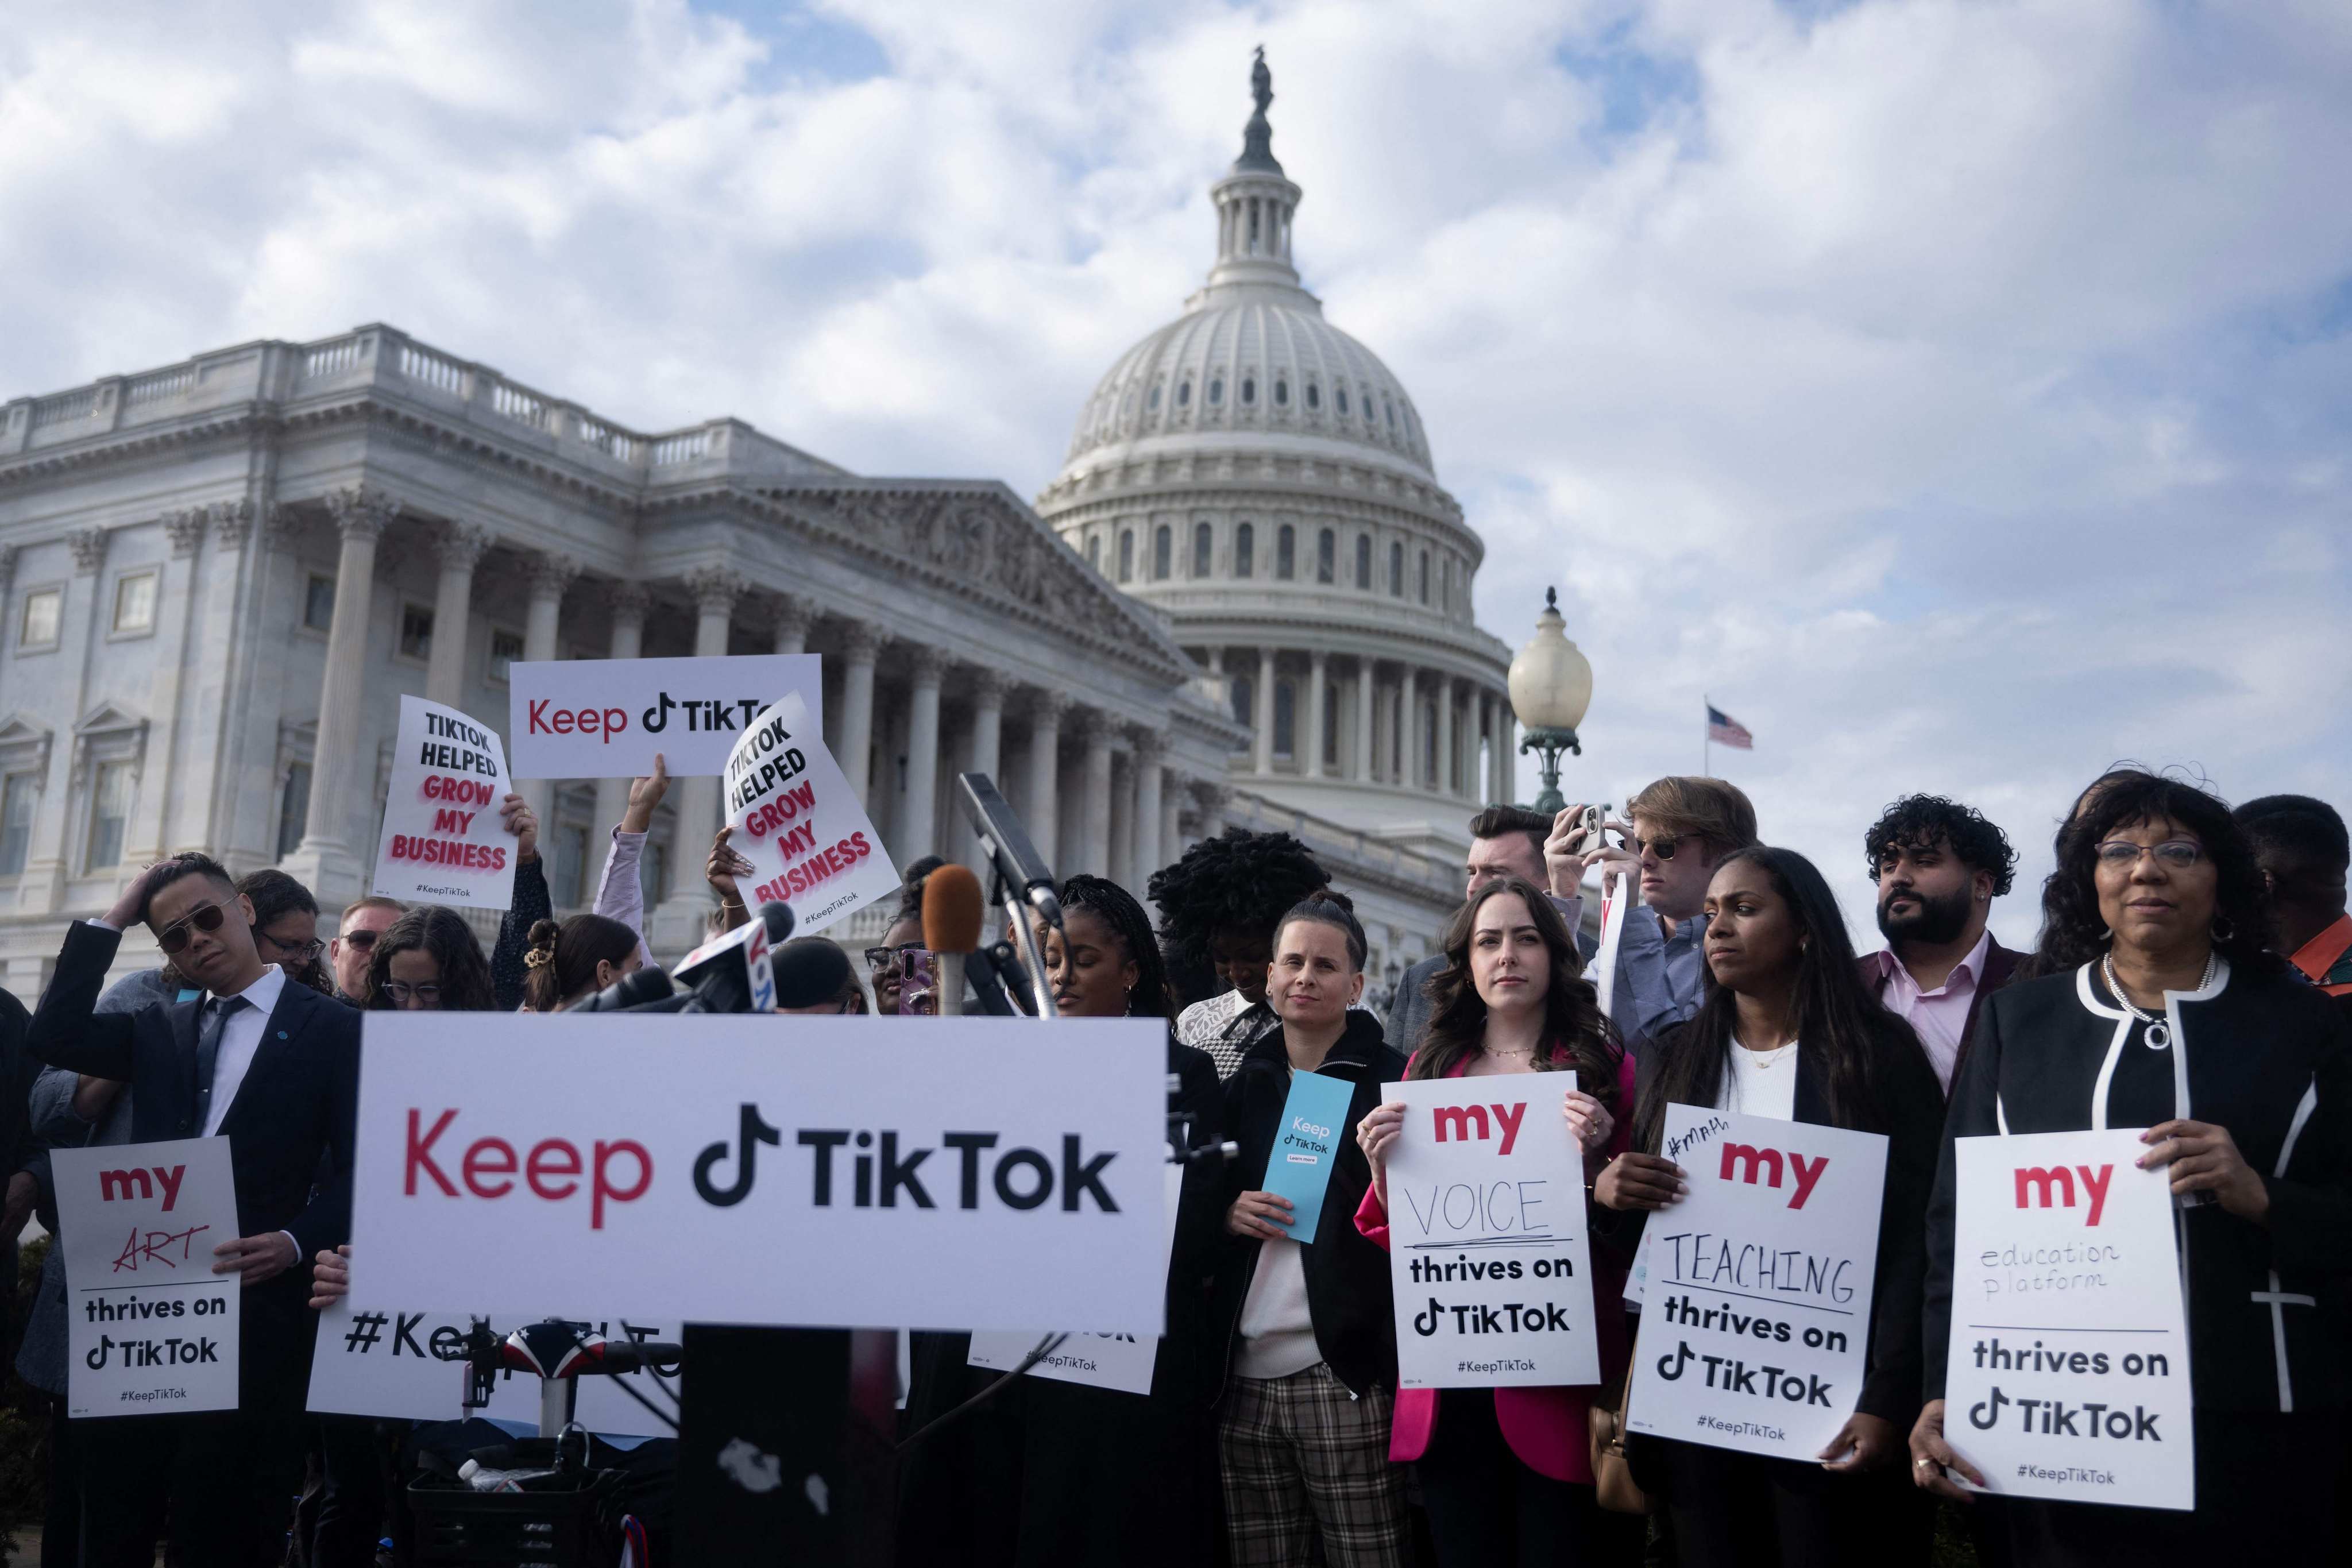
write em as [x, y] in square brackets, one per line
[1939, 866]
[274, 1067]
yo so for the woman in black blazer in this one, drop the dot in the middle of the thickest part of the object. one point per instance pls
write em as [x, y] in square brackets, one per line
[1787, 1029]
[2168, 1013]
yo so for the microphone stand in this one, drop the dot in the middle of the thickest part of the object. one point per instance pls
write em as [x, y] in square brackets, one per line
[1033, 956]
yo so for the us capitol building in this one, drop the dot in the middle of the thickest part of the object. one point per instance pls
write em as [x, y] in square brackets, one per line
[1246, 599]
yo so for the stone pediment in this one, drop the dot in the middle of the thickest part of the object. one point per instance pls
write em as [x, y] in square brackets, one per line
[977, 538]
[25, 743]
[108, 718]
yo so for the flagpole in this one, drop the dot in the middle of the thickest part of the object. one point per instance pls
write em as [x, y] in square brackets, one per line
[1707, 739]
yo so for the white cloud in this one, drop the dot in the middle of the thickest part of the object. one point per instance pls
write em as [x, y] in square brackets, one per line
[1957, 393]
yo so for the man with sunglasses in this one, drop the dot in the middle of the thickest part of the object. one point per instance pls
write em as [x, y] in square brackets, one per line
[274, 1067]
[354, 944]
[1675, 830]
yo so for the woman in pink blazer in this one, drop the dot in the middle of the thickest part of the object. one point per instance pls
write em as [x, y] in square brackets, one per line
[1507, 1475]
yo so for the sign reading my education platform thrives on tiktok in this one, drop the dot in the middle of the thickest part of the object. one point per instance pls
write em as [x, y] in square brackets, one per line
[1756, 1326]
[807, 835]
[150, 1327]
[1488, 1256]
[2068, 1376]
[444, 839]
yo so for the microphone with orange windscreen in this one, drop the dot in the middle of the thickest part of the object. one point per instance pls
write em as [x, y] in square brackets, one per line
[954, 912]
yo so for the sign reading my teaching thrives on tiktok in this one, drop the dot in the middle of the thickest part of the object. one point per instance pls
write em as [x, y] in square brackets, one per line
[444, 839]
[762, 1170]
[2068, 1376]
[807, 835]
[605, 718]
[1755, 1328]
[151, 1328]
[1487, 1248]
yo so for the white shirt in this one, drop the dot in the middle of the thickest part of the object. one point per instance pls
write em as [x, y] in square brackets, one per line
[240, 1040]
[1760, 1083]
[1277, 1331]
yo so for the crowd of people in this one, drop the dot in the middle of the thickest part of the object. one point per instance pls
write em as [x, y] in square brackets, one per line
[2192, 975]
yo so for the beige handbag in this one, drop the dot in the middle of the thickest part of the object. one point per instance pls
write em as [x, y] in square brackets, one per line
[1613, 1477]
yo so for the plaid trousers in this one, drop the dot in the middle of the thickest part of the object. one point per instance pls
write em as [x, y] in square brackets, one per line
[1301, 1455]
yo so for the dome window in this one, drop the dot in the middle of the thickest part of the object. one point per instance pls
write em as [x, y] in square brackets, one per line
[1314, 396]
[1094, 550]
[1285, 719]
[1389, 409]
[1203, 543]
[1326, 556]
[1163, 546]
[1249, 390]
[1286, 552]
[1244, 701]
[1425, 576]
[1341, 394]
[1245, 551]
[1364, 561]
[1183, 395]
[1396, 570]
[1369, 417]
[1281, 392]
[1154, 402]
[1216, 391]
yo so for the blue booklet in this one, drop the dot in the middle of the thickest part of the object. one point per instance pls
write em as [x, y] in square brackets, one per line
[1314, 1120]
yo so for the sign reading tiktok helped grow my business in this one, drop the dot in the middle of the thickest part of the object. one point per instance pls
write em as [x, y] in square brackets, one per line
[805, 833]
[150, 1327]
[444, 839]
[605, 718]
[1489, 1254]
[1755, 1328]
[2068, 1376]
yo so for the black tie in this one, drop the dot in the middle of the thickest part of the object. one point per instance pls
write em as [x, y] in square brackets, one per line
[208, 1039]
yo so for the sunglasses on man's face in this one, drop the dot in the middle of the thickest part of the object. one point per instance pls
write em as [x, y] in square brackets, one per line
[360, 941]
[174, 938]
[1664, 848]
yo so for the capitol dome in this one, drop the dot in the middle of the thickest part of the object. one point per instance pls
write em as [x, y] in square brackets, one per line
[1261, 478]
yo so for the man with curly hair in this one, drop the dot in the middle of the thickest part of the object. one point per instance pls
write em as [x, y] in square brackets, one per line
[1939, 865]
[1219, 904]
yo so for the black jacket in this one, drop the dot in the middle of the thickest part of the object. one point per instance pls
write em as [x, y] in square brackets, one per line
[1348, 1292]
[1911, 1114]
[292, 1122]
[2269, 1059]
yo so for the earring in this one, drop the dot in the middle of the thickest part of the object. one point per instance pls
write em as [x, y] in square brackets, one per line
[2222, 930]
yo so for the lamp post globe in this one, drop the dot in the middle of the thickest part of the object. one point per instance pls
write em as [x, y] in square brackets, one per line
[1551, 686]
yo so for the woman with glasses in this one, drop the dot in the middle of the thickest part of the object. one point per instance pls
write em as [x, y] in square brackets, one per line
[430, 961]
[2170, 1014]
[285, 927]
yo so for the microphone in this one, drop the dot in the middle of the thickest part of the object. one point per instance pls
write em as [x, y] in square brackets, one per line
[954, 913]
[734, 974]
[635, 989]
[1009, 849]
[997, 982]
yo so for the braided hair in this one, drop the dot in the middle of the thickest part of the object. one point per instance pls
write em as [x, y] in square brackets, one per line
[1117, 907]
[1239, 879]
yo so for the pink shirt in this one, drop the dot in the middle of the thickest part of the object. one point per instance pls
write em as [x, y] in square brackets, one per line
[1939, 1017]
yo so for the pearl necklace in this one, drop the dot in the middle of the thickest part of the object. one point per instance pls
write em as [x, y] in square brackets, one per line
[2159, 1030]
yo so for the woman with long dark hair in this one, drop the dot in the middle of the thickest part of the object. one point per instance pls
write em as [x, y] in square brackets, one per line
[429, 960]
[576, 959]
[2170, 1013]
[1787, 1029]
[1507, 1475]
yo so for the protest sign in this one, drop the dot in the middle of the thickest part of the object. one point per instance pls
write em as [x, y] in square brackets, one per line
[150, 1327]
[1755, 1330]
[2068, 1374]
[411, 1366]
[1314, 1120]
[753, 1169]
[1488, 1252]
[444, 841]
[605, 718]
[795, 817]
[1123, 1361]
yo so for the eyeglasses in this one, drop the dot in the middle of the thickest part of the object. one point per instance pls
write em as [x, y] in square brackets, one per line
[300, 952]
[889, 960]
[1664, 848]
[203, 917]
[359, 941]
[2173, 854]
[401, 991]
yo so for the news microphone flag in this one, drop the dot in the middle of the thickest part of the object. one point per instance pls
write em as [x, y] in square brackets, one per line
[1725, 730]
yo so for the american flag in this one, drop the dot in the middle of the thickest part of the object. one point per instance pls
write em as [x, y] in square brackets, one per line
[1726, 731]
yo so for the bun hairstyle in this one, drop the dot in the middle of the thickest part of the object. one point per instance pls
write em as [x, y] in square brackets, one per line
[561, 963]
[1334, 909]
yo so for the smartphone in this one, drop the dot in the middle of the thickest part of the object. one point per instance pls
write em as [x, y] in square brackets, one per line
[919, 985]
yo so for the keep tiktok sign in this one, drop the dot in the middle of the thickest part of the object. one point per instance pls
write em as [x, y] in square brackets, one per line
[1756, 1322]
[1488, 1253]
[2068, 1377]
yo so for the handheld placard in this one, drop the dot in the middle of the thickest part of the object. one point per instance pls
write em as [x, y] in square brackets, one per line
[1314, 1120]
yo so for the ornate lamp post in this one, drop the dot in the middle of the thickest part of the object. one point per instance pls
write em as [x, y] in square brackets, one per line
[1551, 686]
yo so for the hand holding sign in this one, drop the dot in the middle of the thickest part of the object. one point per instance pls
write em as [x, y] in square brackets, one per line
[255, 1258]
[1264, 1216]
[1636, 1181]
[2204, 1158]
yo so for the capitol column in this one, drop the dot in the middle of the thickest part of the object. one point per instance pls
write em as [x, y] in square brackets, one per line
[460, 546]
[1041, 810]
[549, 574]
[1262, 711]
[1317, 669]
[1506, 751]
[1171, 817]
[1364, 676]
[629, 601]
[1148, 850]
[919, 827]
[793, 619]
[680, 921]
[149, 826]
[1120, 866]
[323, 861]
[1094, 847]
[1409, 728]
[1444, 780]
[859, 647]
[987, 756]
[1480, 778]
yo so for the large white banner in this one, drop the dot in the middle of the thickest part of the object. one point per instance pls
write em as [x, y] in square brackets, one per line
[1123, 1361]
[411, 1366]
[1756, 1329]
[150, 1327]
[2068, 1377]
[444, 841]
[605, 718]
[805, 832]
[996, 1173]
[1488, 1251]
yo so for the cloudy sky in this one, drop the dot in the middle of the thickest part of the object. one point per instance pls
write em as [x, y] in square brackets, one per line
[1959, 391]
